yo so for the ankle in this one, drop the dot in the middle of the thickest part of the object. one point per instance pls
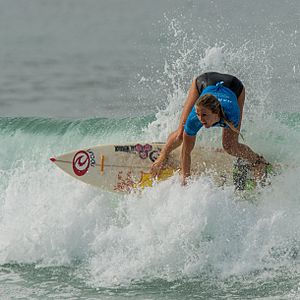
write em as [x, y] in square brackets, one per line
[259, 160]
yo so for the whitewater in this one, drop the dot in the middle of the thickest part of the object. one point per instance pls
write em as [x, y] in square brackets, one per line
[174, 239]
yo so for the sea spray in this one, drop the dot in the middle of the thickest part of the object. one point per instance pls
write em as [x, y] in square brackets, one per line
[187, 56]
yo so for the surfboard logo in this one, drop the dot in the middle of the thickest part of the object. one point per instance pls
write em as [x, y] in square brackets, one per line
[154, 155]
[143, 150]
[81, 163]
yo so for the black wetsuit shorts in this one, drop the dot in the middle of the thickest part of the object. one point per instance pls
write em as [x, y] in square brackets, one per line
[211, 78]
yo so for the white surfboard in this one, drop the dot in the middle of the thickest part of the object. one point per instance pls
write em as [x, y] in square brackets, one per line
[123, 167]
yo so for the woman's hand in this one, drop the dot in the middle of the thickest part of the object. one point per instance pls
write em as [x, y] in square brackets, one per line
[158, 165]
[174, 141]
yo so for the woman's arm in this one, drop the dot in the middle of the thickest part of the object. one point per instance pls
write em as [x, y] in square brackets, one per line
[175, 138]
[187, 147]
[190, 101]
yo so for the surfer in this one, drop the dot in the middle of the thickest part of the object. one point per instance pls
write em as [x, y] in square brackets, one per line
[214, 99]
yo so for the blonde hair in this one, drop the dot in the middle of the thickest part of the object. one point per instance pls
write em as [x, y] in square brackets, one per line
[210, 102]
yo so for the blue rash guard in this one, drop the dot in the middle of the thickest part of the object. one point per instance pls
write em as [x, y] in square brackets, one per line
[229, 103]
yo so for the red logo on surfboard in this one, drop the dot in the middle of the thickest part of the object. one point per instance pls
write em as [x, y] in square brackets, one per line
[81, 163]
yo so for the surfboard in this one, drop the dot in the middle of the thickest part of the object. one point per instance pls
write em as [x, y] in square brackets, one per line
[124, 167]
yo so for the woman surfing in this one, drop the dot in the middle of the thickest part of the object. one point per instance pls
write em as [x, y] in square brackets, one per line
[214, 99]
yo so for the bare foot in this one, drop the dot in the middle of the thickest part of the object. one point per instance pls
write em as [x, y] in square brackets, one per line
[260, 169]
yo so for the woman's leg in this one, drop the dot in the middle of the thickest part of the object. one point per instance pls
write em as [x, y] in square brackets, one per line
[232, 146]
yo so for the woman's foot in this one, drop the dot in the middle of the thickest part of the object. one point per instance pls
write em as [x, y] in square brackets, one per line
[260, 169]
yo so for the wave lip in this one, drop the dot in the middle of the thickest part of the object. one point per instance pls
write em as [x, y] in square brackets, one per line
[49, 126]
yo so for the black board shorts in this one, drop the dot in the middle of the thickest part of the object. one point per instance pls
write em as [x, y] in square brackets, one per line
[211, 78]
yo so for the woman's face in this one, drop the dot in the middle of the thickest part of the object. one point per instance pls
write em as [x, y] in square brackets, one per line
[206, 116]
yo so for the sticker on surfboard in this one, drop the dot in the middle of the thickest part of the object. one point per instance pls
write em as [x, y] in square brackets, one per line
[126, 182]
[81, 163]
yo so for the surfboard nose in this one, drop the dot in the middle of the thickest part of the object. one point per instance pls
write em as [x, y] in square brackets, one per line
[53, 159]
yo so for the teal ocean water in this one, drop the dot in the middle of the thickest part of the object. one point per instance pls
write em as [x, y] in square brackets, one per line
[81, 73]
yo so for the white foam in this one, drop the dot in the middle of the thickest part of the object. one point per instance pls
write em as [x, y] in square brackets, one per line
[173, 232]
[46, 216]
